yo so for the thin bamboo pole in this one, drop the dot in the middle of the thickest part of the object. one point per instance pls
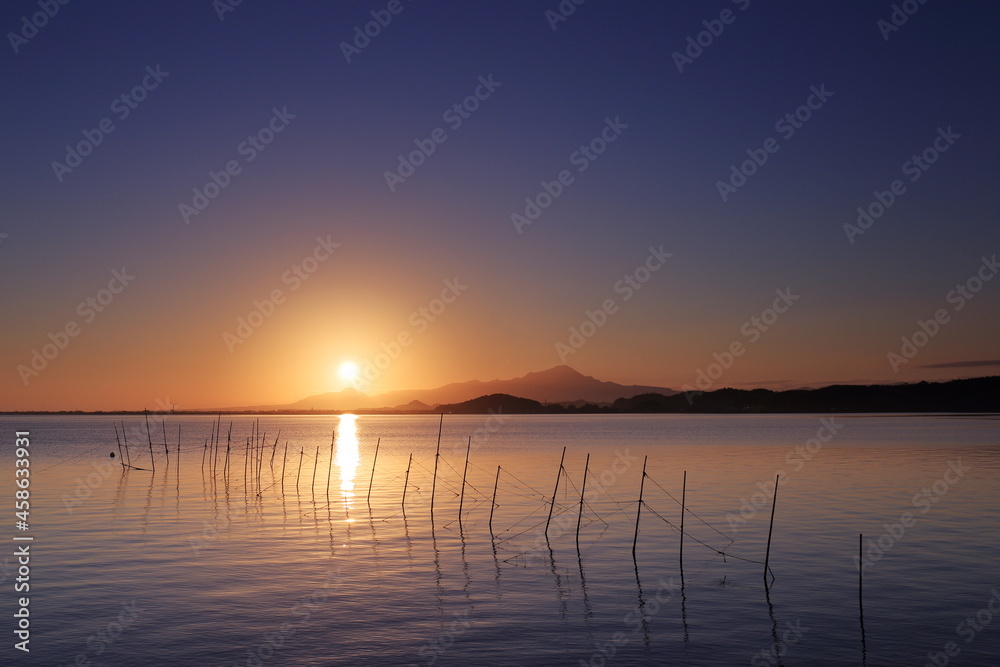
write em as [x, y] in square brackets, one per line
[406, 481]
[128, 455]
[150, 438]
[683, 512]
[329, 468]
[493, 506]
[284, 458]
[583, 487]
[374, 461]
[552, 505]
[121, 457]
[274, 447]
[461, 500]
[215, 455]
[770, 528]
[638, 509]
[299, 472]
[260, 457]
[312, 483]
[437, 456]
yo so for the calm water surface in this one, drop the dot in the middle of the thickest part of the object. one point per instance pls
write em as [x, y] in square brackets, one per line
[285, 558]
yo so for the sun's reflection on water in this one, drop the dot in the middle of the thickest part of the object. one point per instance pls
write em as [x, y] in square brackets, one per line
[348, 455]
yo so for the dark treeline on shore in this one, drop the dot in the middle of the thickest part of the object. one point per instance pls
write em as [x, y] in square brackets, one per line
[970, 395]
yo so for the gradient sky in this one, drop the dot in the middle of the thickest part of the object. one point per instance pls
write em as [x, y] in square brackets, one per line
[162, 337]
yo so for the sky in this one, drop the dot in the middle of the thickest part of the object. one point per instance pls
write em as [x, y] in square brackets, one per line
[213, 204]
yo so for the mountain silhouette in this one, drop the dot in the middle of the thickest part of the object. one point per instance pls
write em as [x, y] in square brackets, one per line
[560, 384]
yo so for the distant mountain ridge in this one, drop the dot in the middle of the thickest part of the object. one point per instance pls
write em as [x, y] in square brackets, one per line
[559, 384]
[980, 395]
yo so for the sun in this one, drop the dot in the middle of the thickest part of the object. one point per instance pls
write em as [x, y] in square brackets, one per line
[348, 371]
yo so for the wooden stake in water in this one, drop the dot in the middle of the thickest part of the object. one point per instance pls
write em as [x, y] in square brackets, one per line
[274, 448]
[374, 461]
[215, 456]
[150, 438]
[638, 509]
[406, 481]
[329, 468]
[260, 458]
[128, 455]
[125, 441]
[437, 455]
[121, 457]
[163, 425]
[461, 500]
[770, 528]
[178, 443]
[299, 472]
[493, 506]
[583, 488]
[312, 484]
[283, 459]
[552, 505]
[683, 512]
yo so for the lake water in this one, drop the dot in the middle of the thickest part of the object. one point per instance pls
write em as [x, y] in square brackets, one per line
[207, 563]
